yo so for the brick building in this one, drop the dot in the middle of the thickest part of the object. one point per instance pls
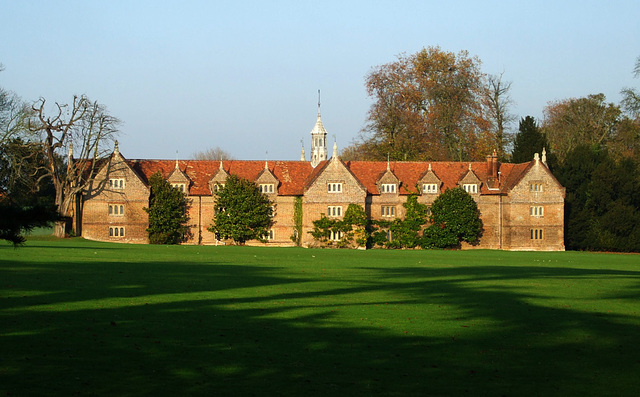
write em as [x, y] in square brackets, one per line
[521, 205]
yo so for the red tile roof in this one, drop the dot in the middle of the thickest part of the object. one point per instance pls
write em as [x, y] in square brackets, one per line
[291, 174]
[410, 173]
[295, 176]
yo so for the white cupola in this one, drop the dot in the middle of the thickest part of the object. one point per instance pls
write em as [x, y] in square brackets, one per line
[318, 140]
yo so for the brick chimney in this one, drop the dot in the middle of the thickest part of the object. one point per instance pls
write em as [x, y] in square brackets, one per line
[492, 170]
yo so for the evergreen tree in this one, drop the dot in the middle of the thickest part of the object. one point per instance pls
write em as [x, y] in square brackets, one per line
[167, 212]
[602, 204]
[528, 141]
[455, 218]
[242, 212]
[15, 220]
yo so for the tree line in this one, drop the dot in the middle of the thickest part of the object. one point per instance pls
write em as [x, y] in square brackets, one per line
[431, 105]
[439, 106]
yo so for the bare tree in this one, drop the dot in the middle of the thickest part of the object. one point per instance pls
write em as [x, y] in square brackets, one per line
[631, 96]
[212, 154]
[85, 131]
[17, 156]
[13, 114]
[498, 102]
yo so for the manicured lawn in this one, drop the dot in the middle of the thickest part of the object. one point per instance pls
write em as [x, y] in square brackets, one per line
[86, 318]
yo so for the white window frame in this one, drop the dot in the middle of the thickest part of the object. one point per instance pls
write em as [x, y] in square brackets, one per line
[116, 183]
[430, 188]
[388, 211]
[536, 234]
[471, 188]
[180, 186]
[334, 187]
[217, 187]
[536, 211]
[536, 187]
[334, 211]
[335, 235]
[116, 209]
[116, 231]
[267, 188]
[388, 188]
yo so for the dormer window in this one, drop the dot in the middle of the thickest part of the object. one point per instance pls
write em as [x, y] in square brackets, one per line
[180, 186]
[388, 188]
[217, 187]
[429, 188]
[267, 188]
[470, 188]
[116, 183]
[334, 187]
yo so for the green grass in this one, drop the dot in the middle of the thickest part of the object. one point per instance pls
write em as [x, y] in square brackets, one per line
[87, 318]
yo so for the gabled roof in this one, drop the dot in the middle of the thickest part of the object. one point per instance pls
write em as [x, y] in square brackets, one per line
[177, 174]
[324, 164]
[411, 173]
[107, 162]
[291, 174]
[470, 176]
[267, 174]
[296, 176]
[430, 176]
[518, 172]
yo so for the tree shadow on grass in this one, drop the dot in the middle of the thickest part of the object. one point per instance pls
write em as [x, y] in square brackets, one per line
[134, 329]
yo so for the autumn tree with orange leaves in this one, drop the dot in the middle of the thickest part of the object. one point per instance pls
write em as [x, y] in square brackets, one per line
[428, 106]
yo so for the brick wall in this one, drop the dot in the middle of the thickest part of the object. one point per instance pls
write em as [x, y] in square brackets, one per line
[323, 192]
[127, 203]
[508, 219]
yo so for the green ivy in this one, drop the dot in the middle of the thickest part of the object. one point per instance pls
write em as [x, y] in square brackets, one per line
[353, 227]
[297, 221]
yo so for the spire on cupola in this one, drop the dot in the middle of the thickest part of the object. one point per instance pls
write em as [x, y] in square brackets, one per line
[318, 140]
[302, 154]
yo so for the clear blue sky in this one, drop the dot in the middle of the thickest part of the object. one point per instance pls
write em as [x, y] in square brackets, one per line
[187, 75]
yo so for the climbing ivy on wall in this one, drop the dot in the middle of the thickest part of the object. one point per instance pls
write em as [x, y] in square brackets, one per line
[297, 221]
[351, 229]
